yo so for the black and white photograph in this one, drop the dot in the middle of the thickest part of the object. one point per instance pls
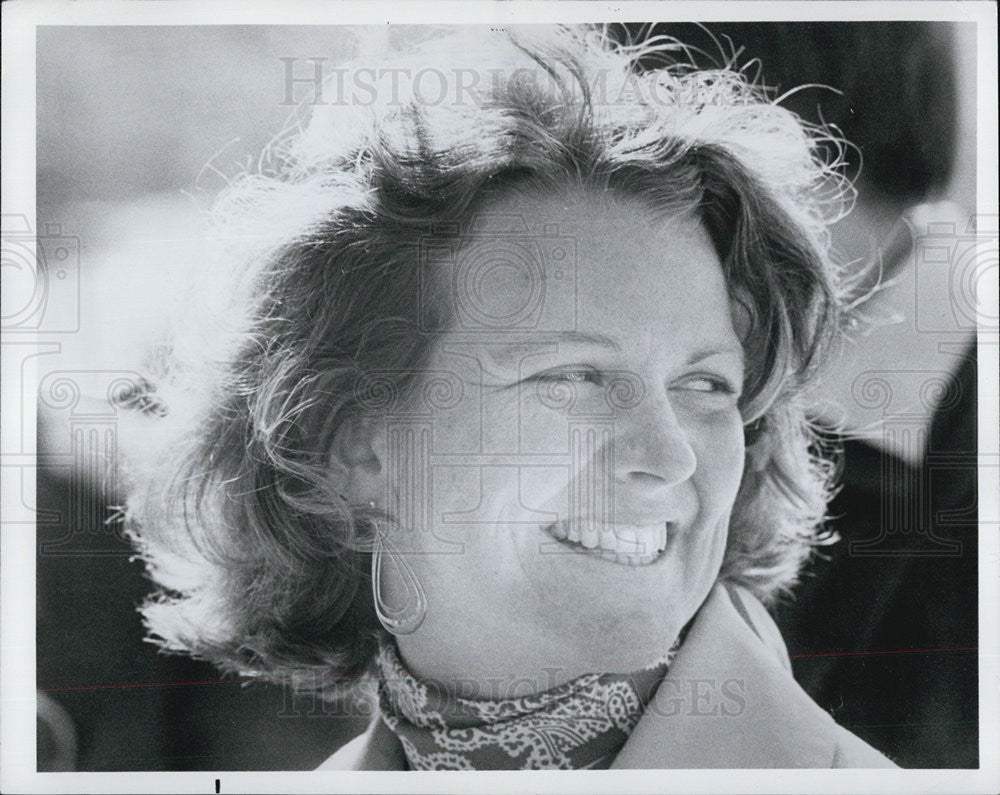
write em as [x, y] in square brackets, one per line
[500, 397]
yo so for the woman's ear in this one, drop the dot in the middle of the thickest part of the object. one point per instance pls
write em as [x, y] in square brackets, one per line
[354, 460]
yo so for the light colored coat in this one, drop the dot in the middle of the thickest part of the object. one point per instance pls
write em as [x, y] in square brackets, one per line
[765, 719]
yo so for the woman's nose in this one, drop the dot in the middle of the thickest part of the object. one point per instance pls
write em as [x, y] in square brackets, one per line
[653, 449]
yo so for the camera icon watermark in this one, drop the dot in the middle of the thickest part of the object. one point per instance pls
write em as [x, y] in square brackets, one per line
[498, 276]
[961, 261]
[84, 408]
[911, 523]
[41, 277]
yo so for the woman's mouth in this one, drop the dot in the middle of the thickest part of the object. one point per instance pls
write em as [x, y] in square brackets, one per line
[630, 545]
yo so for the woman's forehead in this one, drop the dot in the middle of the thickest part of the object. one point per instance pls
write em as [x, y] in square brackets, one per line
[529, 205]
[554, 261]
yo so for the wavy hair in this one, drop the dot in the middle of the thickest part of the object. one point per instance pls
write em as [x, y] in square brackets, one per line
[261, 563]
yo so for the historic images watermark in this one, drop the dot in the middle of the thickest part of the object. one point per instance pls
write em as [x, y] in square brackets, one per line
[705, 697]
[317, 81]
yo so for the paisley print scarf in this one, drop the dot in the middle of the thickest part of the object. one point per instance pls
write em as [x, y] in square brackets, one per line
[580, 724]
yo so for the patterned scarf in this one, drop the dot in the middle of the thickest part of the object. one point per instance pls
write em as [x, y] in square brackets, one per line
[580, 724]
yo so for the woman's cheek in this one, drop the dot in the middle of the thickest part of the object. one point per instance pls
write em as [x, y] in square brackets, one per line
[541, 430]
[721, 460]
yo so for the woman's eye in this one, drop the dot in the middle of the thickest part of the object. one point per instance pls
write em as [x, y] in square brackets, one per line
[578, 376]
[710, 384]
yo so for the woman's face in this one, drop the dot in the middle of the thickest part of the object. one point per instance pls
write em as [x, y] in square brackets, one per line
[564, 480]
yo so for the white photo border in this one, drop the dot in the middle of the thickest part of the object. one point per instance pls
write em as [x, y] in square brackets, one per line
[17, 554]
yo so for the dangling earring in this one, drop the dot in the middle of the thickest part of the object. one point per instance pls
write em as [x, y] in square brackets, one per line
[407, 618]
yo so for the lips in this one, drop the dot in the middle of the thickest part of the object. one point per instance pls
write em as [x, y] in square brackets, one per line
[631, 545]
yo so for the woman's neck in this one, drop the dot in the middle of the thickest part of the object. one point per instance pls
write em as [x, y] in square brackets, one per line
[481, 674]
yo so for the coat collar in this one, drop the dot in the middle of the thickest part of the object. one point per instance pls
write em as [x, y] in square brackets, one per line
[727, 701]
[767, 722]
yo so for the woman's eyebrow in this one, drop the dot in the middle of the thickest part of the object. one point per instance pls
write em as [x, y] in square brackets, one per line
[721, 350]
[506, 353]
[587, 338]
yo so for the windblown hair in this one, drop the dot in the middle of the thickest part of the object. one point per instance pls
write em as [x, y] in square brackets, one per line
[907, 136]
[261, 562]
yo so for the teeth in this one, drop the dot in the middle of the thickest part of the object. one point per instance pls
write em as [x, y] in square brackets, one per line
[628, 541]
[626, 544]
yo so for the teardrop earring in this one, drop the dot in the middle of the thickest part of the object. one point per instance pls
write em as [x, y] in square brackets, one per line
[406, 618]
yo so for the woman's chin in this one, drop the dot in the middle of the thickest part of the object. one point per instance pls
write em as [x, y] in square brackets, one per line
[621, 617]
[612, 627]
[618, 648]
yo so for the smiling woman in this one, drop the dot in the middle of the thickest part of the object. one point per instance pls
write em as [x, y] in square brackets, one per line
[644, 481]
[509, 418]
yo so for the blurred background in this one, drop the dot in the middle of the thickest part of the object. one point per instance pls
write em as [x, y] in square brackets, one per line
[138, 129]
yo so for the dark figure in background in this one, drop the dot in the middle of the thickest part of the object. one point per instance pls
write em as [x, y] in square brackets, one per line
[897, 660]
[883, 632]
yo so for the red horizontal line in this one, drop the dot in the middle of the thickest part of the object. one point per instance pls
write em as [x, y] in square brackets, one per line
[249, 681]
